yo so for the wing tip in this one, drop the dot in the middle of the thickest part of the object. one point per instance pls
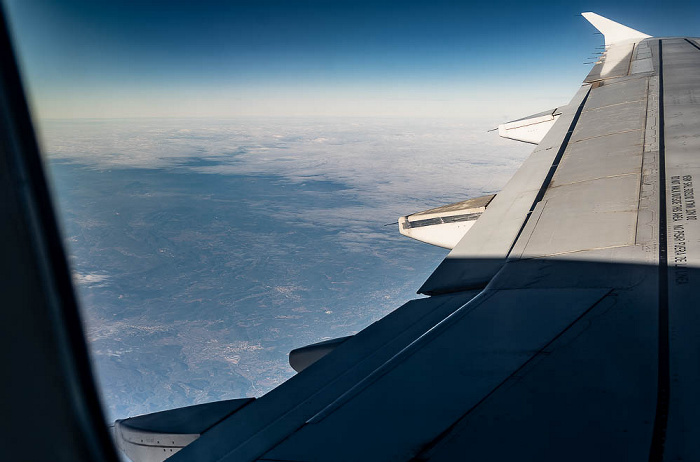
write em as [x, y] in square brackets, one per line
[613, 32]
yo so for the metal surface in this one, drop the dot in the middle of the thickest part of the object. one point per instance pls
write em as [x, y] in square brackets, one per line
[155, 437]
[681, 99]
[614, 32]
[444, 226]
[497, 334]
[530, 129]
[454, 209]
[303, 357]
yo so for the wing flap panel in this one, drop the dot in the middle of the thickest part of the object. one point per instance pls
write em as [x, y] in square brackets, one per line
[593, 200]
[642, 61]
[615, 154]
[583, 216]
[615, 62]
[593, 389]
[499, 332]
[610, 120]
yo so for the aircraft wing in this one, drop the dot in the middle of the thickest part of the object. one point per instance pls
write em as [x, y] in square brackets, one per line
[562, 325]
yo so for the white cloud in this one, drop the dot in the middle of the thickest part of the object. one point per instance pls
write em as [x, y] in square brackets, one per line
[396, 165]
[90, 279]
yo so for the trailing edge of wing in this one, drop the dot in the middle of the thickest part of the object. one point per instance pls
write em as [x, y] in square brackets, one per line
[612, 31]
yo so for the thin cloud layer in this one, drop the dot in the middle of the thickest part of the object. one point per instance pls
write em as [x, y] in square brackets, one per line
[205, 250]
[395, 163]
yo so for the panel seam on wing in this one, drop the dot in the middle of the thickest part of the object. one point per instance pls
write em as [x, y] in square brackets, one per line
[569, 252]
[608, 134]
[614, 104]
[555, 186]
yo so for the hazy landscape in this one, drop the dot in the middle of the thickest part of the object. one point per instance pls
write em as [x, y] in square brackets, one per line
[205, 250]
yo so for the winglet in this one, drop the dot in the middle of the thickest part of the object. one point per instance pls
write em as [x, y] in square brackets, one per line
[612, 31]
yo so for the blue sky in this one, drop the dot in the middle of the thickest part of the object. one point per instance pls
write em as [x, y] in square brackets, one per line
[316, 58]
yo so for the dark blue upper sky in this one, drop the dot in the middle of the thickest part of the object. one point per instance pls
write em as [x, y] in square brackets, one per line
[218, 58]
